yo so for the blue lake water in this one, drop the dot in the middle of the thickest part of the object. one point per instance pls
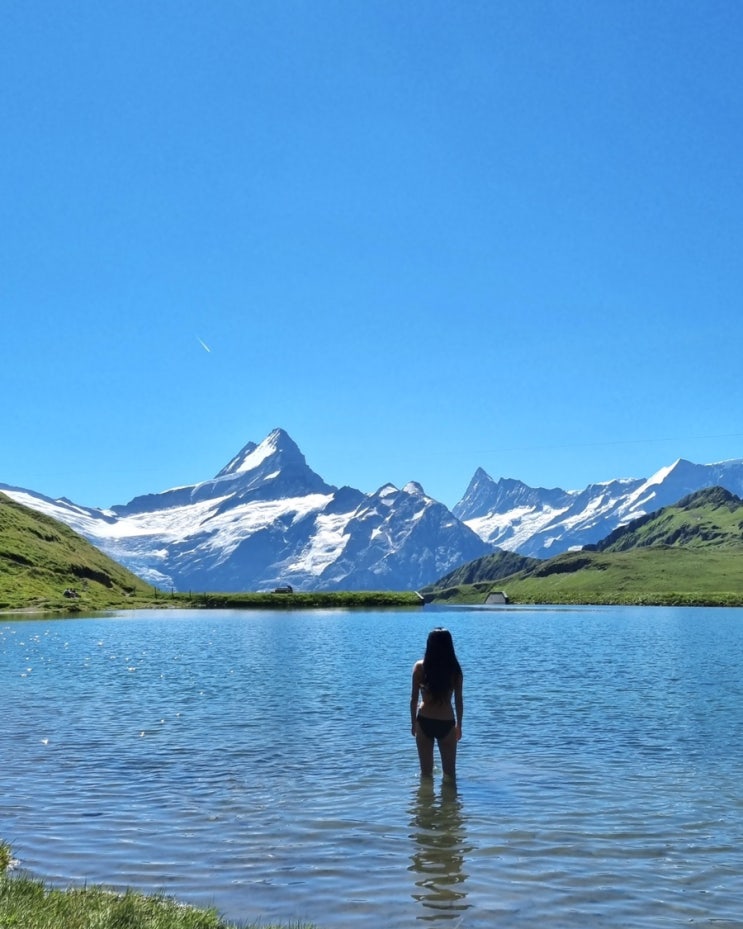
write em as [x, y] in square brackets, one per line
[262, 763]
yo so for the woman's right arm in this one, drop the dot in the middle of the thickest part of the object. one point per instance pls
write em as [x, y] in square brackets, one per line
[459, 704]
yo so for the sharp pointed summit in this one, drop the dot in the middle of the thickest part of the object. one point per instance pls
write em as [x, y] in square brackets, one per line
[275, 468]
[278, 446]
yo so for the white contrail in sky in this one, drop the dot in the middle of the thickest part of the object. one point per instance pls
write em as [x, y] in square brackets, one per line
[204, 345]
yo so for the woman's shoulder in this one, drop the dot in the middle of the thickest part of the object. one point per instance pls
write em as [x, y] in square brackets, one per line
[418, 667]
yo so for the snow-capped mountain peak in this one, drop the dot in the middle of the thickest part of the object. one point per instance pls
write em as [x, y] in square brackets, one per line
[663, 474]
[485, 496]
[277, 444]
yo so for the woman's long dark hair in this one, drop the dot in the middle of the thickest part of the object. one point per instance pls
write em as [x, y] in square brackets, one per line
[440, 666]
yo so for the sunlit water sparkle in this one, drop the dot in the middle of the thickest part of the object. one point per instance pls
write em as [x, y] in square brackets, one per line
[262, 763]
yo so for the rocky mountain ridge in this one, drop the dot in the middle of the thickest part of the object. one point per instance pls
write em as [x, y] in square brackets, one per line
[541, 522]
[267, 519]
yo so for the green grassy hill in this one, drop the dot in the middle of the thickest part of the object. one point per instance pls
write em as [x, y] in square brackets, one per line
[41, 558]
[488, 568]
[688, 553]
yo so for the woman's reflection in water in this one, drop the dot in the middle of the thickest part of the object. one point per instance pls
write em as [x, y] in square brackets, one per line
[439, 851]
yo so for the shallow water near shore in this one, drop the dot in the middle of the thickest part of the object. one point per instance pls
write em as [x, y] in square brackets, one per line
[262, 763]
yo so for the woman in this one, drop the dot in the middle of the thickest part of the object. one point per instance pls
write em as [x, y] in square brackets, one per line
[436, 679]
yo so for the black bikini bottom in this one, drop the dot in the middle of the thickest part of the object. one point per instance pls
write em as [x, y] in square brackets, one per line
[435, 728]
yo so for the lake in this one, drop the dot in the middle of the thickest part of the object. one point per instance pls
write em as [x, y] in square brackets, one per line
[262, 763]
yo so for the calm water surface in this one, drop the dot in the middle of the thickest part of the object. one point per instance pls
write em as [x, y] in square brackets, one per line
[262, 763]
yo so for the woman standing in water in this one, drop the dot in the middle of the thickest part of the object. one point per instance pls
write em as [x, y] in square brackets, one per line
[436, 679]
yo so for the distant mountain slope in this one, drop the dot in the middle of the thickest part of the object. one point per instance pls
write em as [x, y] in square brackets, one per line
[707, 518]
[40, 558]
[542, 523]
[488, 568]
[689, 552]
[267, 519]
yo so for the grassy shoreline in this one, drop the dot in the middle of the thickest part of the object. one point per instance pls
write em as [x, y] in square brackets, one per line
[465, 595]
[310, 600]
[27, 903]
[476, 594]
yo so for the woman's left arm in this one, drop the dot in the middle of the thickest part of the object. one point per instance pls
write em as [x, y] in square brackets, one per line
[417, 668]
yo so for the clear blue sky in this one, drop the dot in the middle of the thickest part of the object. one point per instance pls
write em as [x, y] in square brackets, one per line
[422, 237]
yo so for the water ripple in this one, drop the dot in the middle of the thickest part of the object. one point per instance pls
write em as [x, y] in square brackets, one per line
[263, 764]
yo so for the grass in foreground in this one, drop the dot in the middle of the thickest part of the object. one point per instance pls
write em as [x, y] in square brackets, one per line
[26, 903]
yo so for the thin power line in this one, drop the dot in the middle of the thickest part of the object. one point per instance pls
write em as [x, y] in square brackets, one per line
[609, 442]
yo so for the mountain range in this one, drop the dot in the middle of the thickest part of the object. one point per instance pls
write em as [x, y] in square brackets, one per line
[266, 519]
[540, 522]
